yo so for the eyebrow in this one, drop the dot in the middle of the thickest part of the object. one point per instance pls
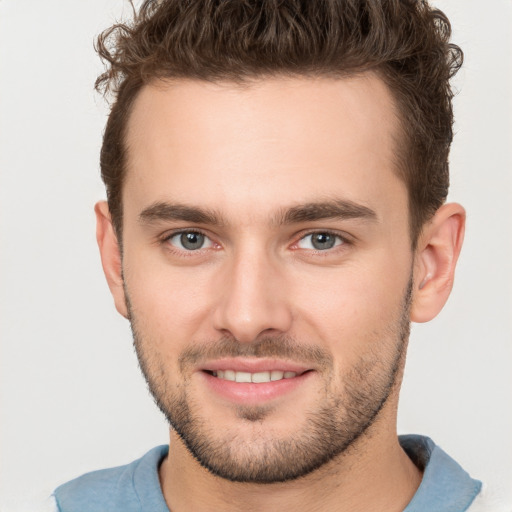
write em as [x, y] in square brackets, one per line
[162, 211]
[340, 209]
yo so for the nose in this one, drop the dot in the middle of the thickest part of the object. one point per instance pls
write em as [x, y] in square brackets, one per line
[253, 298]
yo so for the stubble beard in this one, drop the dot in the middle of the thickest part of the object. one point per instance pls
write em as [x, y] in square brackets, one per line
[327, 432]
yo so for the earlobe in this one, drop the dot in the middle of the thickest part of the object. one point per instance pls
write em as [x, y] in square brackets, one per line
[110, 253]
[436, 256]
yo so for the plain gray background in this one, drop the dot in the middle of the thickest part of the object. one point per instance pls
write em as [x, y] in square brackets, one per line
[71, 396]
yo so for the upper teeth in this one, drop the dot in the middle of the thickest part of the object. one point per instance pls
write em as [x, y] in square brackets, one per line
[253, 377]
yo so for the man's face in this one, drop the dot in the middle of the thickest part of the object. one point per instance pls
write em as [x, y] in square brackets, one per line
[266, 239]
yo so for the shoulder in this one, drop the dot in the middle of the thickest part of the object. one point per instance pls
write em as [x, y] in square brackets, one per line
[120, 488]
[445, 485]
[98, 490]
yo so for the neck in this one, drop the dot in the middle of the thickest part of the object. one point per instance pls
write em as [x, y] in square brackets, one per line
[373, 474]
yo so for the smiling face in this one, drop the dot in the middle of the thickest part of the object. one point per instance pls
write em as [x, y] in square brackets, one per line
[267, 267]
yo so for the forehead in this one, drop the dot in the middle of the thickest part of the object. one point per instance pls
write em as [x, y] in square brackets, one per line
[264, 144]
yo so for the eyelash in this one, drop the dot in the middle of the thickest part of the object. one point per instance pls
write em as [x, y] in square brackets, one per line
[164, 240]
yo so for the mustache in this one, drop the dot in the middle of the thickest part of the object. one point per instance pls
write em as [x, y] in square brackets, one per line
[278, 347]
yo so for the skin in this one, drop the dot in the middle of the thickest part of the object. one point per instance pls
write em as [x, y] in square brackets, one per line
[249, 154]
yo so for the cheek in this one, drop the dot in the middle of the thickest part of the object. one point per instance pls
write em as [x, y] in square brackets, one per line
[356, 306]
[343, 306]
[167, 301]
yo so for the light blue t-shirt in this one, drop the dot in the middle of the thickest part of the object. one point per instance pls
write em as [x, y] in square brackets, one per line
[445, 486]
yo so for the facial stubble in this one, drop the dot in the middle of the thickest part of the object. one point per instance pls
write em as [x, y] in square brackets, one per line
[328, 431]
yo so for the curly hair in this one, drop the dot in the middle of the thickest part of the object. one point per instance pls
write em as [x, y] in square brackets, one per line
[405, 41]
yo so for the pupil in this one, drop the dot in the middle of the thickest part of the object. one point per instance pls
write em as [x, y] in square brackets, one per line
[323, 241]
[192, 241]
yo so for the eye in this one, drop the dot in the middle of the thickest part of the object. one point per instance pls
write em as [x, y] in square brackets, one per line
[190, 241]
[320, 241]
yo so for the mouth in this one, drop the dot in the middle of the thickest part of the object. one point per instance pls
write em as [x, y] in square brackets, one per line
[252, 381]
[256, 377]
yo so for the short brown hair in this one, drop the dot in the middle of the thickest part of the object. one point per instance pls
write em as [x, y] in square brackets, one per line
[405, 41]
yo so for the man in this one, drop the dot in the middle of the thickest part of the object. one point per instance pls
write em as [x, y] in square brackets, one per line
[276, 175]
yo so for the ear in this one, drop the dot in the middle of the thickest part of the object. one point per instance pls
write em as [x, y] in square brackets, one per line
[110, 253]
[436, 256]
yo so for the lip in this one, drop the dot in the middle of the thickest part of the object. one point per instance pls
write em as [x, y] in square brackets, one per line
[248, 393]
[254, 365]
